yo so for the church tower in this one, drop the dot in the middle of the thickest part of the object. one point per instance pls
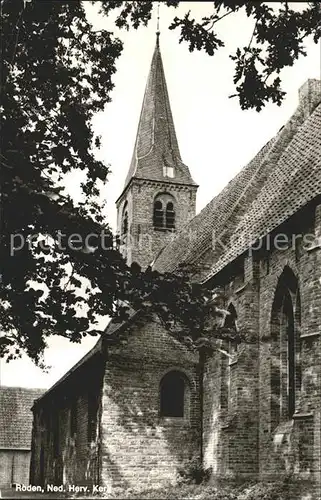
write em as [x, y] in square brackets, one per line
[159, 194]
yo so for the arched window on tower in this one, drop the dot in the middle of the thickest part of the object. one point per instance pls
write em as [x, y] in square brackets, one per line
[158, 218]
[164, 212]
[285, 349]
[173, 395]
[170, 216]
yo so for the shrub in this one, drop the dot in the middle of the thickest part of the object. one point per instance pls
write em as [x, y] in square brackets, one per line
[265, 491]
[222, 490]
[194, 472]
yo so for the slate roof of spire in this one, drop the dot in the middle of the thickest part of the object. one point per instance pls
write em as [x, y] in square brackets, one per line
[283, 177]
[16, 416]
[156, 142]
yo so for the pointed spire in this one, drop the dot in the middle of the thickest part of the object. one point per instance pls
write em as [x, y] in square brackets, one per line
[157, 31]
[156, 143]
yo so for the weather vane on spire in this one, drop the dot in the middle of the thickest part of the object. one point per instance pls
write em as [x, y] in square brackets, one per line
[157, 32]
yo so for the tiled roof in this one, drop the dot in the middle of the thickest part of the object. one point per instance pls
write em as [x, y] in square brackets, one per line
[283, 177]
[295, 182]
[156, 142]
[16, 416]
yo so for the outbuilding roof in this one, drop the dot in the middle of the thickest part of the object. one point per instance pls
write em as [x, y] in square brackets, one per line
[16, 416]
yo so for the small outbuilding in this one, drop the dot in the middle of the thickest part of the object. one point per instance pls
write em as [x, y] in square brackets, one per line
[15, 433]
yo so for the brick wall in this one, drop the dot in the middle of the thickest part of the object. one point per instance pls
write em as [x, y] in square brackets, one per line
[280, 447]
[62, 450]
[141, 449]
[234, 424]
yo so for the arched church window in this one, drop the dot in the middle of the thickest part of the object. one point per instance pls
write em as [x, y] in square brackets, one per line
[228, 348]
[230, 323]
[158, 219]
[172, 395]
[231, 317]
[125, 223]
[285, 348]
[170, 216]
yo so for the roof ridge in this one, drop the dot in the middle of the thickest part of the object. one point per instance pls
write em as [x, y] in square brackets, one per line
[14, 388]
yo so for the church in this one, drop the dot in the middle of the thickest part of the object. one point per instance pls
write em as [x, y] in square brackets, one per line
[137, 409]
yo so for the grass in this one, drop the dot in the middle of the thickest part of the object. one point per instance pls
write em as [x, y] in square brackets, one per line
[245, 491]
[208, 491]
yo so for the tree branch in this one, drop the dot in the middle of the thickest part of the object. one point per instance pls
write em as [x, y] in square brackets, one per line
[252, 36]
[219, 19]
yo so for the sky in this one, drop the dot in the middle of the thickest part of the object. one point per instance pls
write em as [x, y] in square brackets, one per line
[215, 136]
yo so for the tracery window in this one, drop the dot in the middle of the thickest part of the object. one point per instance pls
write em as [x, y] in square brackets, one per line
[285, 378]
